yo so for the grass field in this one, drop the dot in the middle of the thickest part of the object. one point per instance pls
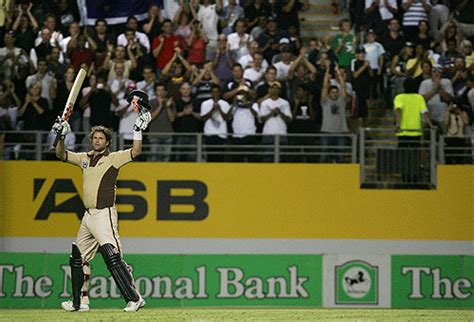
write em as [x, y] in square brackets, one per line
[249, 314]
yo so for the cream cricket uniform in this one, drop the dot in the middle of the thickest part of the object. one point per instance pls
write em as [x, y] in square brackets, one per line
[99, 224]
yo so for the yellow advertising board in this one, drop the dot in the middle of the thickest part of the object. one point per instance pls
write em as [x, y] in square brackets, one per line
[43, 199]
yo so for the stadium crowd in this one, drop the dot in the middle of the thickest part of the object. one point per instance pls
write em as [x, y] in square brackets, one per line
[231, 67]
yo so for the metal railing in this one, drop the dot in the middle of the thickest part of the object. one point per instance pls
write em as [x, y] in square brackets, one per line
[197, 147]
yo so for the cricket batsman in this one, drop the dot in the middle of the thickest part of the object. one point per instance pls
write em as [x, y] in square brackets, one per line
[99, 230]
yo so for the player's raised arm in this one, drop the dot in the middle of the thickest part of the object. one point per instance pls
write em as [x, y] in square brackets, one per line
[61, 128]
[139, 99]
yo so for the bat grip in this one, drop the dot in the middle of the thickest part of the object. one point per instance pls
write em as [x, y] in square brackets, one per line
[56, 140]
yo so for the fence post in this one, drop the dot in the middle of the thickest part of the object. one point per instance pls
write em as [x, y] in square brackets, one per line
[433, 157]
[38, 145]
[199, 147]
[276, 149]
[362, 154]
[442, 157]
[354, 148]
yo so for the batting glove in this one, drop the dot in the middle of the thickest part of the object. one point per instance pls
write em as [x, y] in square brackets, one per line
[142, 121]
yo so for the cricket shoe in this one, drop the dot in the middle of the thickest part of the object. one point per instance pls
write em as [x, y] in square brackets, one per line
[68, 306]
[135, 306]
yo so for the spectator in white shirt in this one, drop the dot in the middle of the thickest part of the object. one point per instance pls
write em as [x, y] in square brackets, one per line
[283, 66]
[244, 118]
[47, 81]
[56, 36]
[247, 59]
[208, 14]
[379, 13]
[215, 112]
[374, 53]
[126, 115]
[275, 113]
[119, 84]
[148, 83]
[140, 37]
[255, 70]
[239, 40]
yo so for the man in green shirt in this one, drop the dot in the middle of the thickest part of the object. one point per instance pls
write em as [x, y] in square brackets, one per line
[343, 44]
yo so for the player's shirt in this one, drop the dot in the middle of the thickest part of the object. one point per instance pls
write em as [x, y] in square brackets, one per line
[99, 175]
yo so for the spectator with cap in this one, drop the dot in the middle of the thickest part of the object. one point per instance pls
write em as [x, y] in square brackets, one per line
[361, 74]
[269, 40]
[140, 37]
[414, 12]
[283, 66]
[229, 16]
[437, 92]
[215, 112]
[275, 113]
[398, 68]
[239, 40]
[375, 55]
[344, 44]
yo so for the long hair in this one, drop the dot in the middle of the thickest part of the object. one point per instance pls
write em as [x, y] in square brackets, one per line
[100, 128]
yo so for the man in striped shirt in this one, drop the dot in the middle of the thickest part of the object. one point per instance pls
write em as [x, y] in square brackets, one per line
[415, 11]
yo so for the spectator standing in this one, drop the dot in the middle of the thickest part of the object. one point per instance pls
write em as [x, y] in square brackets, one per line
[437, 92]
[263, 88]
[140, 37]
[50, 24]
[247, 59]
[177, 72]
[344, 44]
[182, 24]
[287, 12]
[254, 10]
[229, 16]
[43, 49]
[128, 64]
[464, 16]
[255, 71]
[410, 108]
[456, 121]
[423, 37]
[244, 119]
[152, 24]
[11, 56]
[148, 83]
[333, 104]
[231, 88]
[375, 55]
[25, 28]
[379, 14]
[275, 113]
[208, 14]
[239, 40]
[361, 75]
[187, 122]
[164, 45]
[47, 80]
[414, 12]
[79, 53]
[162, 115]
[392, 41]
[268, 41]
[126, 115]
[215, 112]
[196, 44]
[283, 66]
[100, 101]
[222, 59]
[56, 63]
[203, 82]
[103, 40]
[35, 111]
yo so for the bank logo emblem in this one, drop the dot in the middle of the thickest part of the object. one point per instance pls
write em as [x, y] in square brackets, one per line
[356, 283]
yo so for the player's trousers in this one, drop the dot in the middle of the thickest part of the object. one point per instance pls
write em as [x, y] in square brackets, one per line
[98, 227]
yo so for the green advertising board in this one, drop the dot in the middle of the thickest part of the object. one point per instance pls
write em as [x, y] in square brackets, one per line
[432, 281]
[42, 280]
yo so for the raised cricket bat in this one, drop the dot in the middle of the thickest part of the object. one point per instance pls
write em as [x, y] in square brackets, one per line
[71, 100]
